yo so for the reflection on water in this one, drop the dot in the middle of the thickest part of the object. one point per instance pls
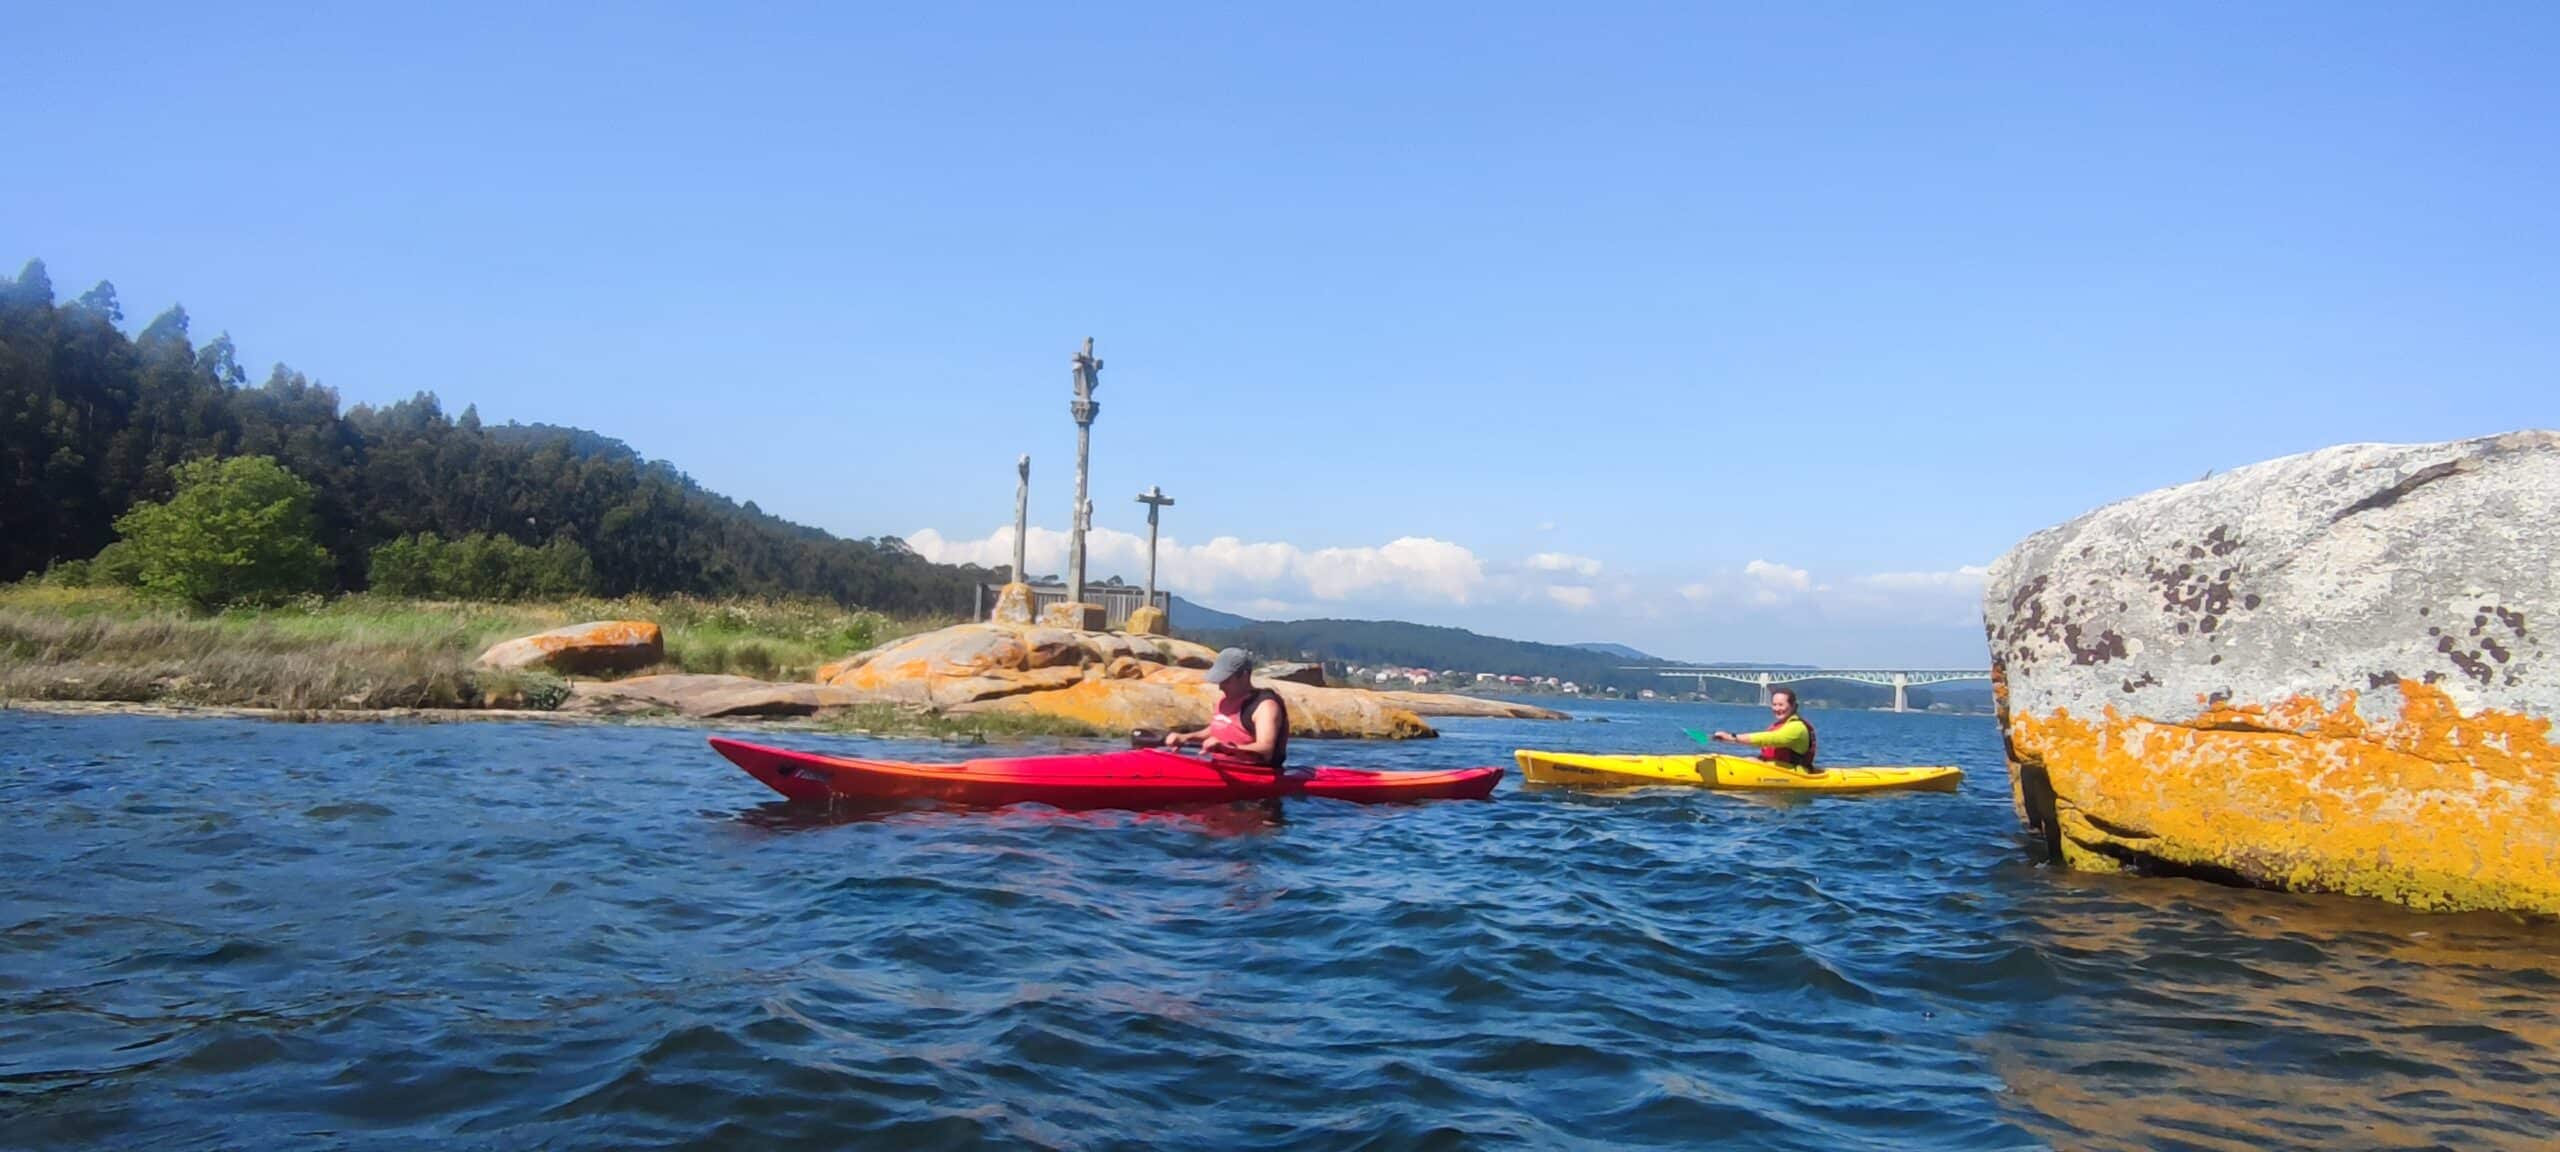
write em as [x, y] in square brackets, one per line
[1240, 818]
[223, 934]
[2377, 1027]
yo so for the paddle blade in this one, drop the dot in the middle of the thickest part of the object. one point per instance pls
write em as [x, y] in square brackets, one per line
[1146, 738]
[1704, 740]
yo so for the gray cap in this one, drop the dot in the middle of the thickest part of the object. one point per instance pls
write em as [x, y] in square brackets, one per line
[1228, 663]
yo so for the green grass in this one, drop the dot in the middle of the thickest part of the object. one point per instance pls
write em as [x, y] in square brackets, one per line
[378, 652]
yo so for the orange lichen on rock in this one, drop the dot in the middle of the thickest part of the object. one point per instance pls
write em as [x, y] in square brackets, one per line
[2433, 808]
[598, 646]
[1130, 704]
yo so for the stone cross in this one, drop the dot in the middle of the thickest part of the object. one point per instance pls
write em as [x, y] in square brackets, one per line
[1156, 502]
[1021, 515]
[1088, 370]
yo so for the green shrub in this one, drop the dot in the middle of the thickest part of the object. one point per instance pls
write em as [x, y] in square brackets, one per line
[235, 531]
[532, 689]
[116, 566]
[480, 567]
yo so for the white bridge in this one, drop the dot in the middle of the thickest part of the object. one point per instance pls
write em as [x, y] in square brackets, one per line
[1898, 679]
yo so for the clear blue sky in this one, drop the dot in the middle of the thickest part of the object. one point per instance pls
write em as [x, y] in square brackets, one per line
[1652, 292]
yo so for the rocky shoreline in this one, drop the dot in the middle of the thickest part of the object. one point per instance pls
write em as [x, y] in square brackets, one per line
[1104, 681]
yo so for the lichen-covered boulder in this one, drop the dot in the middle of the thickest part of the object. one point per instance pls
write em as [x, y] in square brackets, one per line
[582, 649]
[704, 696]
[1115, 680]
[1345, 712]
[1115, 705]
[1311, 675]
[1184, 653]
[948, 691]
[960, 650]
[1452, 704]
[2324, 673]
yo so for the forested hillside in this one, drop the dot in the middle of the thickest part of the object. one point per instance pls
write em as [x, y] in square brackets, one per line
[93, 420]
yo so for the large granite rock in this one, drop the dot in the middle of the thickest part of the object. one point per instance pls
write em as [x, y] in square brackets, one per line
[1115, 680]
[1452, 704]
[1311, 675]
[2323, 673]
[947, 691]
[582, 649]
[1115, 705]
[703, 696]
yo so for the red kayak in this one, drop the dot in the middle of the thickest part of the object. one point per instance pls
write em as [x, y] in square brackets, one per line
[1139, 778]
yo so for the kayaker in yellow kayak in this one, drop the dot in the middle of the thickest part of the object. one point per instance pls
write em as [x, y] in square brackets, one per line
[1788, 740]
[1248, 723]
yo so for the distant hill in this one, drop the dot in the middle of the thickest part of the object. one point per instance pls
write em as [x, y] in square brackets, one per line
[1187, 618]
[1620, 651]
[1395, 643]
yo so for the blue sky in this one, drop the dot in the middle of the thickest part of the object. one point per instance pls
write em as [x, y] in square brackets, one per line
[1731, 332]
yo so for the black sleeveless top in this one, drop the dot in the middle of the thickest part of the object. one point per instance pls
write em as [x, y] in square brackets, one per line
[1280, 743]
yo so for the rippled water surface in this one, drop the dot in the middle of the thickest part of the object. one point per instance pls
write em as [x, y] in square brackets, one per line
[225, 934]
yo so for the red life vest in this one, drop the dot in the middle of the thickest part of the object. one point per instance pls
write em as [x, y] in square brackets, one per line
[1788, 756]
[1237, 727]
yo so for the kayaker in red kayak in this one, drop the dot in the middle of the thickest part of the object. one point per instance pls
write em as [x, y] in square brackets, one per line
[1249, 724]
[1788, 739]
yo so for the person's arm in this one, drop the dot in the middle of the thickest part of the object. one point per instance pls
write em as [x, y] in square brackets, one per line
[1178, 739]
[1266, 726]
[1787, 735]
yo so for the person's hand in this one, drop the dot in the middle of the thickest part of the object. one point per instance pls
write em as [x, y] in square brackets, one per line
[1213, 745]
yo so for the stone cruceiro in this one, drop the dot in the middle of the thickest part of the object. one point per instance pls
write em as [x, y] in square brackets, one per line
[2326, 672]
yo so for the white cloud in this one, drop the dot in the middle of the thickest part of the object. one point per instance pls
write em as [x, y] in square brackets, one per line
[1778, 575]
[1411, 567]
[1966, 579]
[1565, 562]
[1437, 581]
[1415, 564]
[1776, 583]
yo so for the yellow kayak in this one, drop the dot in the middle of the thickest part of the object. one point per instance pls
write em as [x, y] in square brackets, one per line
[1732, 772]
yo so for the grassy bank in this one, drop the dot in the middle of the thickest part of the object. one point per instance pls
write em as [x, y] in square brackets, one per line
[376, 652]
